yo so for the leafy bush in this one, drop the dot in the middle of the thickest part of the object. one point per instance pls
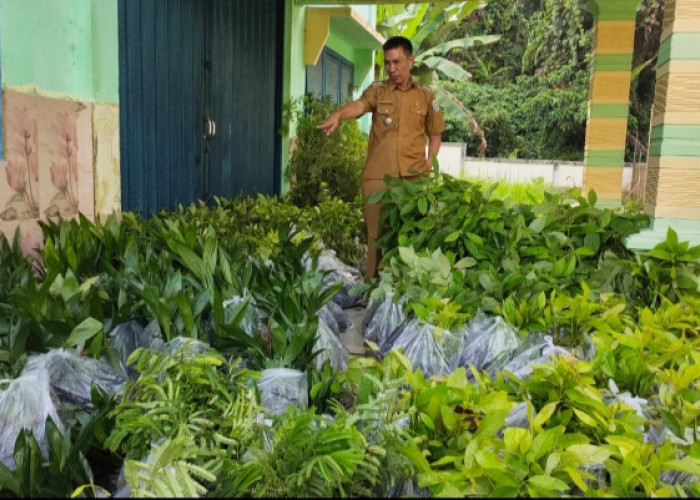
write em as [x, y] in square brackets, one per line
[534, 117]
[512, 256]
[323, 167]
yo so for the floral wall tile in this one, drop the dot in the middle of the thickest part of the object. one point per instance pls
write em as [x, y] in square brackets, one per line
[48, 163]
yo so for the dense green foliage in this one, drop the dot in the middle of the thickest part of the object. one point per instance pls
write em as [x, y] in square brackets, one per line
[190, 421]
[323, 167]
[533, 117]
[529, 90]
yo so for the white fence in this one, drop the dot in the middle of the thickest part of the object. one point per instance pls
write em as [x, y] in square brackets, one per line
[453, 160]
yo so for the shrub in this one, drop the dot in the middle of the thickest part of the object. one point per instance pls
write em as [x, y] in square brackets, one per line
[323, 167]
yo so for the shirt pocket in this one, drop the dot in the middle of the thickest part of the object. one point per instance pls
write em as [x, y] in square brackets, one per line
[385, 111]
[419, 108]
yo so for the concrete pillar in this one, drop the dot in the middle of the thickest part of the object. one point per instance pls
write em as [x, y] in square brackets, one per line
[672, 190]
[608, 101]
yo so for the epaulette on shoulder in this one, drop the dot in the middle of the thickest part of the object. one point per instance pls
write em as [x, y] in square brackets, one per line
[425, 87]
[378, 83]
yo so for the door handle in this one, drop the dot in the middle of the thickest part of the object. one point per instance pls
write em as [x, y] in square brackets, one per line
[209, 127]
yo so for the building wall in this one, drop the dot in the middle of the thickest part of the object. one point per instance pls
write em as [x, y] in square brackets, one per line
[295, 68]
[60, 113]
[60, 87]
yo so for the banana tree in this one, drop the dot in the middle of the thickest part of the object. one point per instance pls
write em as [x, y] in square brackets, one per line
[430, 29]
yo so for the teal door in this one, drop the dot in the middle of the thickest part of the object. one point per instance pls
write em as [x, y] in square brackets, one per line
[200, 100]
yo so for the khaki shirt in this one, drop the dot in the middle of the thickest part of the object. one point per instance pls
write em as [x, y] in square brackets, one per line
[398, 148]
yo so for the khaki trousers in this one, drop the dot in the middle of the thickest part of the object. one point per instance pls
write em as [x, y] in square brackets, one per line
[373, 213]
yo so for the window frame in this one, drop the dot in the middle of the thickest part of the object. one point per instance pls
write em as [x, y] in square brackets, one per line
[343, 63]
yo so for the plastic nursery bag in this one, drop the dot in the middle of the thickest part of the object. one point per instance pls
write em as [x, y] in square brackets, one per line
[129, 336]
[536, 349]
[331, 348]
[71, 375]
[636, 403]
[434, 350]
[517, 417]
[281, 387]
[488, 340]
[335, 317]
[383, 317]
[253, 317]
[657, 432]
[25, 403]
[339, 270]
[122, 488]
[185, 347]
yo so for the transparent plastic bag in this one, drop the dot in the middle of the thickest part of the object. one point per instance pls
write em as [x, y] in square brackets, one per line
[25, 403]
[339, 270]
[335, 317]
[488, 340]
[71, 375]
[331, 348]
[673, 477]
[185, 347]
[517, 417]
[657, 432]
[434, 350]
[383, 317]
[253, 317]
[536, 349]
[129, 336]
[639, 405]
[600, 476]
[281, 387]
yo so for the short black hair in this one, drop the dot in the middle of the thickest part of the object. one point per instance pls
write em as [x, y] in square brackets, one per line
[399, 41]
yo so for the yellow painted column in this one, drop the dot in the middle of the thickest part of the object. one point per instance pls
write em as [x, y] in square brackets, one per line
[608, 102]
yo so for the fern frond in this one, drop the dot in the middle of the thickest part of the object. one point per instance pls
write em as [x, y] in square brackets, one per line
[166, 472]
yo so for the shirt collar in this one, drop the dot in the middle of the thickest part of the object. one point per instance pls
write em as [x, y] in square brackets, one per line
[393, 86]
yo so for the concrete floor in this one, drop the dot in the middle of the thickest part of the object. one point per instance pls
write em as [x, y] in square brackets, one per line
[353, 338]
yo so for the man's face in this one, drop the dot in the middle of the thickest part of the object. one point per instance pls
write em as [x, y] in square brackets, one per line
[398, 65]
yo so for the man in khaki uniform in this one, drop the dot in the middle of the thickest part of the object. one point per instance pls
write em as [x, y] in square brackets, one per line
[404, 112]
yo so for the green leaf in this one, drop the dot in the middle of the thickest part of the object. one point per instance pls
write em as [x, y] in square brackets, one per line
[492, 423]
[686, 464]
[538, 224]
[486, 281]
[547, 483]
[592, 197]
[87, 329]
[589, 454]
[592, 241]
[452, 236]
[545, 442]
[672, 423]
[8, 481]
[423, 206]
[427, 420]
[450, 69]
[465, 262]
[585, 418]
[512, 436]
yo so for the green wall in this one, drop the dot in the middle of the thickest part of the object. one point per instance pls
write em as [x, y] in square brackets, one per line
[61, 47]
[294, 69]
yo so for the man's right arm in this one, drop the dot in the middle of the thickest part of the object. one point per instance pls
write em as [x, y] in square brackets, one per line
[349, 110]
